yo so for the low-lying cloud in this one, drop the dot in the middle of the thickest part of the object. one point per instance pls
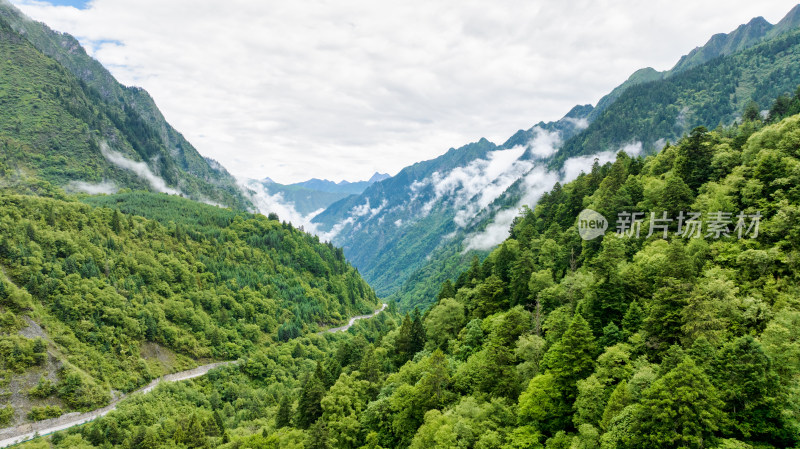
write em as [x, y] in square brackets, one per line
[266, 203]
[105, 187]
[473, 187]
[139, 168]
[579, 123]
[535, 183]
[545, 143]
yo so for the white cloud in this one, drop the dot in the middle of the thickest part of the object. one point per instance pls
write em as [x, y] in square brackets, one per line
[365, 209]
[335, 90]
[267, 203]
[107, 187]
[140, 168]
[632, 149]
[580, 123]
[545, 143]
[536, 182]
[473, 187]
[583, 164]
[362, 210]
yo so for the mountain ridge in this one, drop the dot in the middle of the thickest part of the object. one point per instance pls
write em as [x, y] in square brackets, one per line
[371, 232]
[132, 111]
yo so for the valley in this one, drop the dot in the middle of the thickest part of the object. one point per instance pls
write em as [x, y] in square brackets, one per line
[150, 299]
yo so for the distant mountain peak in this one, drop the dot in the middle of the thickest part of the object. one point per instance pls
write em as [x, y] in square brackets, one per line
[377, 177]
[721, 44]
[789, 22]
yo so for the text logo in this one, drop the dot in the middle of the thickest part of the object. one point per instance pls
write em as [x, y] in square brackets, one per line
[591, 224]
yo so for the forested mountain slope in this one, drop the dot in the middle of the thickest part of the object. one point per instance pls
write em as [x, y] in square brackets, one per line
[708, 94]
[621, 341]
[94, 299]
[66, 121]
[640, 116]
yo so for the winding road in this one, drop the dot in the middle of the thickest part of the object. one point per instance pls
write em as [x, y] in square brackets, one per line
[354, 319]
[24, 432]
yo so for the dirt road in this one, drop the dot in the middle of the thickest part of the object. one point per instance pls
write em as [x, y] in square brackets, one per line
[354, 319]
[25, 432]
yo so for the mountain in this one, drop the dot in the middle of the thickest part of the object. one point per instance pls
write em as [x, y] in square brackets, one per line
[376, 177]
[100, 294]
[67, 122]
[745, 36]
[346, 187]
[709, 94]
[388, 230]
[409, 233]
[552, 341]
[558, 336]
[304, 199]
[98, 297]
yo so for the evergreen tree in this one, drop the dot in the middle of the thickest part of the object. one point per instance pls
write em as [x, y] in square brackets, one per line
[611, 335]
[748, 386]
[318, 436]
[283, 418]
[632, 320]
[572, 357]
[417, 341]
[703, 353]
[474, 274]
[503, 262]
[619, 399]
[403, 344]
[220, 423]
[195, 434]
[542, 405]
[521, 272]
[693, 162]
[681, 409]
[676, 197]
[447, 290]
[752, 112]
[309, 406]
[116, 221]
[432, 387]
[662, 326]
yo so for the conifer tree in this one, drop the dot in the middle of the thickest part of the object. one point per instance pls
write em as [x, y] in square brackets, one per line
[681, 409]
[318, 436]
[572, 357]
[417, 333]
[283, 418]
[309, 406]
[403, 343]
[219, 422]
[632, 320]
[447, 290]
[619, 399]
[748, 386]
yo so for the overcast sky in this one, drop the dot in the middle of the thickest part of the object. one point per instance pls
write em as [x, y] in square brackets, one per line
[341, 89]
